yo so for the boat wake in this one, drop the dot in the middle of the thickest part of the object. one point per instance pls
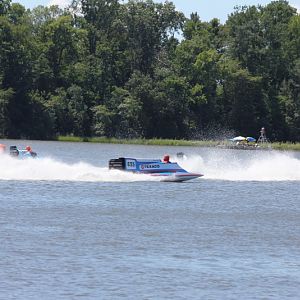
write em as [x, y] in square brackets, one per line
[266, 166]
[53, 170]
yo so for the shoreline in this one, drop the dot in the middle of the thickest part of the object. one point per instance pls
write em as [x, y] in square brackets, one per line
[283, 146]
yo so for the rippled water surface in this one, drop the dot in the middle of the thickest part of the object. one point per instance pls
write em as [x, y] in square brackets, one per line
[69, 228]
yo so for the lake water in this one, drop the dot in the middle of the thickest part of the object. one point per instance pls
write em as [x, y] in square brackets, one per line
[71, 229]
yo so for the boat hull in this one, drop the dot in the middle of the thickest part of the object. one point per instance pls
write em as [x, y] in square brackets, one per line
[177, 177]
[170, 171]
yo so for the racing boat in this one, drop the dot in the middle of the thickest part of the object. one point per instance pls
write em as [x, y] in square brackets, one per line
[165, 170]
[22, 153]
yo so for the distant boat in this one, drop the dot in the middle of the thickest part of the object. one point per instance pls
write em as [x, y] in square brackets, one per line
[22, 153]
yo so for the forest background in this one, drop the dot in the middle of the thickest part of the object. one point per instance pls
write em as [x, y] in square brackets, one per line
[143, 70]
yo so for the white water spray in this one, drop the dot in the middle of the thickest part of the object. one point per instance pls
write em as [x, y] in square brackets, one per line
[258, 166]
[52, 170]
[266, 166]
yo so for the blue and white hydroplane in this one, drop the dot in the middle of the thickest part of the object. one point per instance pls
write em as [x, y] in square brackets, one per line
[163, 169]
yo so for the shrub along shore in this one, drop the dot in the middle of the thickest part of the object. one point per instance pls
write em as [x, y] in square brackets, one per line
[165, 142]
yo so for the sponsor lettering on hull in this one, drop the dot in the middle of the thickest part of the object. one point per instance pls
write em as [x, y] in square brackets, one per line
[149, 167]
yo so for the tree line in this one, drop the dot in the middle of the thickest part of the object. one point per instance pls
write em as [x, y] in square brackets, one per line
[143, 70]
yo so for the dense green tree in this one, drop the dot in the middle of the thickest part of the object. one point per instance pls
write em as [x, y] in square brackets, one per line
[4, 6]
[16, 57]
[258, 39]
[242, 98]
[171, 107]
[141, 88]
[246, 42]
[141, 69]
[128, 114]
[5, 97]
[99, 16]
[149, 26]
[104, 124]
[196, 59]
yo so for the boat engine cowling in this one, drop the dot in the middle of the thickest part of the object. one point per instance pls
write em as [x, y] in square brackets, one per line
[13, 151]
[117, 163]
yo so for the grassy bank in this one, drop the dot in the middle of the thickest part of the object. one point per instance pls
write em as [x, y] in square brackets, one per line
[165, 142]
[286, 146]
[157, 142]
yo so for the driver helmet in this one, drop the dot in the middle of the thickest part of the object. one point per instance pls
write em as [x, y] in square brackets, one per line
[166, 158]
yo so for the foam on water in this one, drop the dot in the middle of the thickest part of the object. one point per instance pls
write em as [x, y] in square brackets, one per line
[51, 169]
[266, 166]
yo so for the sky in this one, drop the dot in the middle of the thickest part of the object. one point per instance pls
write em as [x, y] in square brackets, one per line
[206, 9]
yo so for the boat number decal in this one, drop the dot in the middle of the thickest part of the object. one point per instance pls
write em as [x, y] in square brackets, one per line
[130, 165]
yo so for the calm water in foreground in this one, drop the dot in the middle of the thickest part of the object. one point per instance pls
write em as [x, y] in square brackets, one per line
[69, 228]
